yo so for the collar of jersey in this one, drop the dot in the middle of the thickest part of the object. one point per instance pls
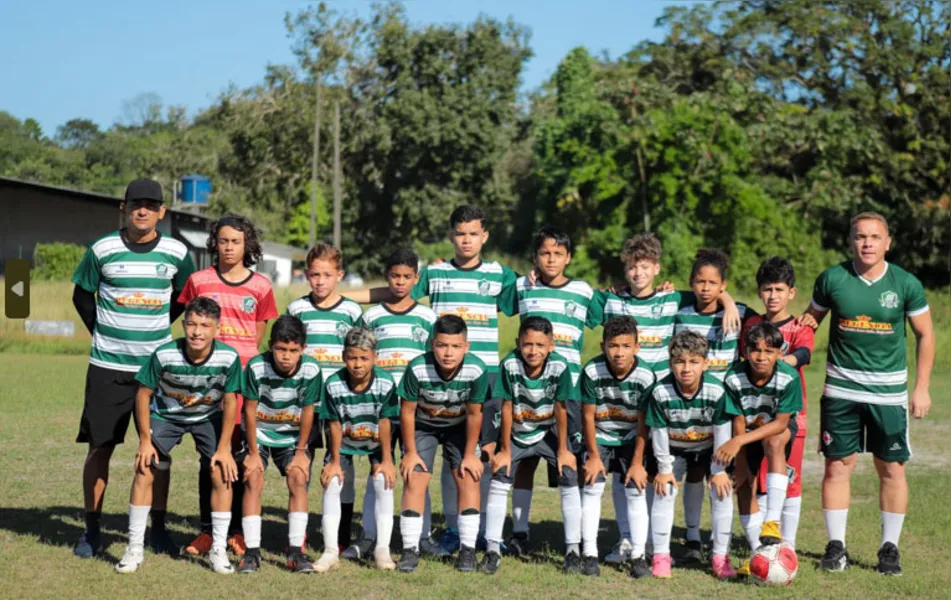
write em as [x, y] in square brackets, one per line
[456, 266]
[233, 283]
[310, 298]
[866, 281]
[346, 379]
[183, 347]
[399, 312]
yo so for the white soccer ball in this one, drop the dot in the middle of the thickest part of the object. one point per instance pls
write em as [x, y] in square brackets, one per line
[775, 564]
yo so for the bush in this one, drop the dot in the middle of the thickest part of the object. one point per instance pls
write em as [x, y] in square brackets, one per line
[56, 261]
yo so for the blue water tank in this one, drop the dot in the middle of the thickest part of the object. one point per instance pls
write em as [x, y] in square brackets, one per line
[195, 189]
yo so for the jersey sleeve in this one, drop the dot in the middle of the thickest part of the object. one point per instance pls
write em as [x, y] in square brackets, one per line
[790, 401]
[189, 292]
[233, 378]
[421, 289]
[747, 323]
[87, 274]
[685, 299]
[150, 373]
[328, 408]
[915, 301]
[362, 321]
[391, 405]
[503, 386]
[267, 307]
[654, 414]
[185, 269]
[409, 386]
[595, 314]
[589, 391]
[821, 298]
[314, 391]
[507, 300]
[804, 337]
[480, 389]
[726, 409]
[567, 390]
[599, 302]
[249, 385]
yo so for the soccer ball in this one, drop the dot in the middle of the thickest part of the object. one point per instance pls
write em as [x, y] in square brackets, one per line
[775, 564]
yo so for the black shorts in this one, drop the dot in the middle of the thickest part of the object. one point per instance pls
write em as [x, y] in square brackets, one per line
[683, 461]
[491, 421]
[547, 449]
[166, 435]
[452, 439]
[108, 406]
[616, 459]
[755, 451]
[346, 460]
[281, 456]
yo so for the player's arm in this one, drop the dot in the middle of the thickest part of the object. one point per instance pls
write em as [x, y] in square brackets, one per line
[502, 458]
[719, 480]
[565, 457]
[470, 462]
[252, 462]
[370, 295]
[301, 459]
[411, 458]
[731, 313]
[636, 472]
[728, 451]
[923, 329]
[386, 464]
[332, 468]
[593, 465]
[222, 456]
[146, 453]
[85, 303]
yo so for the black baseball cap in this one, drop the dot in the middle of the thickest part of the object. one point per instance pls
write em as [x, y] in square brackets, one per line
[144, 189]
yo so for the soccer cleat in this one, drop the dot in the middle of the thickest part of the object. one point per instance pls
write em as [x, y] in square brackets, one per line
[200, 545]
[770, 534]
[835, 558]
[236, 544]
[620, 554]
[88, 546]
[382, 560]
[590, 567]
[490, 563]
[640, 568]
[220, 563]
[429, 548]
[250, 562]
[327, 562]
[572, 564]
[298, 562]
[466, 560]
[722, 567]
[744, 570]
[133, 557]
[518, 545]
[409, 560]
[359, 550]
[661, 567]
[160, 542]
[889, 561]
[450, 540]
[693, 553]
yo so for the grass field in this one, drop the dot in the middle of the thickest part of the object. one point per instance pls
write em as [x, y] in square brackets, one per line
[41, 510]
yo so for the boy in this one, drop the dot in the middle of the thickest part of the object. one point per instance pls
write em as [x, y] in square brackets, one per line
[690, 417]
[280, 388]
[442, 392]
[402, 328]
[768, 393]
[247, 304]
[359, 401]
[614, 386]
[328, 317]
[535, 385]
[708, 280]
[776, 287]
[187, 386]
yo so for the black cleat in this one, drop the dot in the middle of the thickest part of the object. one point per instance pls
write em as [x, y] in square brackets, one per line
[693, 553]
[835, 558]
[430, 549]
[160, 542]
[88, 546]
[359, 551]
[572, 564]
[250, 562]
[518, 545]
[466, 560]
[298, 562]
[889, 561]
[408, 561]
[590, 567]
[490, 563]
[640, 568]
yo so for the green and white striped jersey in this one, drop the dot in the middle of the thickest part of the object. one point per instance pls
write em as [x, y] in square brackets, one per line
[867, 353]
[723, 349]
[133, 284]
[619, 403]
[185, 392]
[760, 404]
[689, 421]
[400, 336]
[533, 399]
[281, 399]
[326, 329]
[655, 316]
[441, 402]
[360, 413]
[569, 307]
[474, 294]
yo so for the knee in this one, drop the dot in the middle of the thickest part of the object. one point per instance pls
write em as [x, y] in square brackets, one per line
[594, 490]
[839, 469]
[100, 455]
[296, 479]
[890, 473]
[568, 478]
[775, 445]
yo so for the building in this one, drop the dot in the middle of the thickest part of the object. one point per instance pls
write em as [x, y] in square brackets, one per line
[278, 262]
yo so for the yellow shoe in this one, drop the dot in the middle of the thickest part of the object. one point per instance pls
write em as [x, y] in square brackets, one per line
[744, 570]
[770, 533]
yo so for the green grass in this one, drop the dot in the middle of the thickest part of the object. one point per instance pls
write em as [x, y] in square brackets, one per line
[41, 514]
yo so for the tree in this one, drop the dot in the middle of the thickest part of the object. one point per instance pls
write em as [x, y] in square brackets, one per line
[78, 133]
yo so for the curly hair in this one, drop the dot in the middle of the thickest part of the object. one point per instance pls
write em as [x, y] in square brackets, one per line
[710, 257]
[252, 244]
[644, 246]
[689, 343]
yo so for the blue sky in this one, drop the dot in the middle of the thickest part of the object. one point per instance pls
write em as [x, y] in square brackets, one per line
[66, 59]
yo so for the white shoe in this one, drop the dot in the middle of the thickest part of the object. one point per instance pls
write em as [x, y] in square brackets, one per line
[382, 560]
[218, 557]
[133, 557]
[328, 561]
[621, 553]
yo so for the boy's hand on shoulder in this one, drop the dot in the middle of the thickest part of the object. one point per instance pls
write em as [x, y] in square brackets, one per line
[593, 467]
[252, 462]
[145, 456]
[731, 318]
[721, 484]
[223, 459]
[807, 320]
[727, 452]
[791, 360]
[637, 474]
[472, 465]
[502, 459]
[566, 459]
[331, 470]
[409, 463]
[300, 461]
[661, 480]
[532, 277]
[388, 469]
[667, 286]
[618, 287]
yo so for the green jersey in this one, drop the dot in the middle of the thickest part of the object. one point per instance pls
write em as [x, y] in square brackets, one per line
[689, 421]
[474, 294]
[723, 349]
[400, 336]
[570, 307]
[326, 328]
[360, 413]
[442, 402]
[133, 284]
[186, 392]
[619, 403]
[867, 354]
[655, 316]
[281, 399]
[533, 399]
[760, 404]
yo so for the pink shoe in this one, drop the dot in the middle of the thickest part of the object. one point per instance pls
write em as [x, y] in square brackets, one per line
[722, 567]
[661, 567]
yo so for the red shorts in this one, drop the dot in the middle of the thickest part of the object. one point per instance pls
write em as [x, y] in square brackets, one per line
[794, 490]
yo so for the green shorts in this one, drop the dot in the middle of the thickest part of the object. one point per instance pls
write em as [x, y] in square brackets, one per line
[849, 427]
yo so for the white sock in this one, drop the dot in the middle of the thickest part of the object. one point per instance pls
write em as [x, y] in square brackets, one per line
[251, 527]
[330, 523]
[219, 529]
[571, 513]
[752, 525]
[369, 511]
[411, 528]
[835, 524]
[349, 493]
[138, 519]
[484, 483]
[619, 499]
[495, 510]
[891, 527]
[650, 505]
[792, 507]
[296, 528]
[521, 507]
[427, 524]
[591, 517]
[469, 529]
[450, 497]
[662, 520]
[721, 520]
[693, 505]
[383, 507]
[776, 484]
[638, 517]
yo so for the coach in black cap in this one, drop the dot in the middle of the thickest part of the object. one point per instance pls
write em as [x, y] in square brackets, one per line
[143, 207]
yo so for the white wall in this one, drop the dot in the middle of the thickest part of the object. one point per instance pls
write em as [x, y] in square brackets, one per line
[278, 268]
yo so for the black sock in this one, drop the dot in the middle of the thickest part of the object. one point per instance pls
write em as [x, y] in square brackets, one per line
[237, 500]
[158, 520]
[346, 520]
[204, 499]
[92, 522]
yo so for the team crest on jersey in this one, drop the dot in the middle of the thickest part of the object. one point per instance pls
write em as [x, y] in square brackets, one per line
[342, 329]
[826, 438]
[484, 287]
[889, 299]
[248, 304]
[418, 334]
[657, 310]
[571, 308]
[161, 269]
[380, 333]
[550, 390]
